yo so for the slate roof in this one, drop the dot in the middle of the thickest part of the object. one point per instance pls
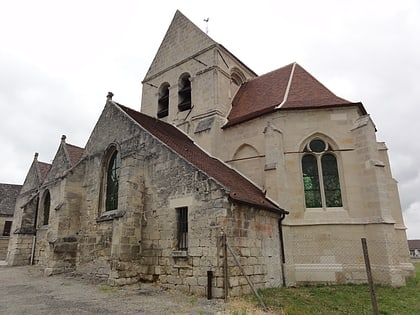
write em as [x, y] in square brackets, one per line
[413, 244]
[240, 189]
[74, 153]
[290, 87]
[8, 195]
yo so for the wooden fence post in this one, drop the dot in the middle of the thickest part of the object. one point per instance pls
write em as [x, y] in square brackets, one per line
[370, 279]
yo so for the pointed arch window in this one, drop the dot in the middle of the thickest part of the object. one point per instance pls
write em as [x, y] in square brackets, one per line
[321, 180]
[46, 208]
[163, 101]
[112, 181]
[184, 93]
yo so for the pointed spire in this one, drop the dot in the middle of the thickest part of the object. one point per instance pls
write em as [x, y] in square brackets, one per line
[182, 40]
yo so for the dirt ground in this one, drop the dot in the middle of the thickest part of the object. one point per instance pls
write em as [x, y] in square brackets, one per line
[24, 290]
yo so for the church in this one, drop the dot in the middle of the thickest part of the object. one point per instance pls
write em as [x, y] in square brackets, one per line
[268, 180]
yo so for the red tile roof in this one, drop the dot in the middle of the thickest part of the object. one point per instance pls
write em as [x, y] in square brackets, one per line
[290, 87]
[240, 189]
[44, 168]
[74, 153]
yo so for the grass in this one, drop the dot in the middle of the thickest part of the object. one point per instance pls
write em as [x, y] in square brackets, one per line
[339, 299]
[106, 289]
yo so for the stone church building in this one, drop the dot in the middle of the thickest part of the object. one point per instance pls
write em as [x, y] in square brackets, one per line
[290, 174]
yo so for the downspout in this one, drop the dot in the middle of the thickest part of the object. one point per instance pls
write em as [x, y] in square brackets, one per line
[283, 260]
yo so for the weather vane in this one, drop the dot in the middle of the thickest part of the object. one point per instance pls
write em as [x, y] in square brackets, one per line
[207, 25]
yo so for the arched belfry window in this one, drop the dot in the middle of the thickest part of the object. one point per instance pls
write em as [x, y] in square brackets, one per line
[163, 101]
[112, 181]
[237, 76]
[320, 176]
[184, 93]
[46, 208]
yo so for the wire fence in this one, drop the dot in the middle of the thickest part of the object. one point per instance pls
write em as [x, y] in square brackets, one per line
[333, 261]
[337, 261]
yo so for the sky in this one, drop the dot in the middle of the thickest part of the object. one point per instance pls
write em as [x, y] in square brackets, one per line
[59, 59]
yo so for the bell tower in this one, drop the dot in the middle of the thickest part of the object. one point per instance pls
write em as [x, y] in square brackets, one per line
[191, 83]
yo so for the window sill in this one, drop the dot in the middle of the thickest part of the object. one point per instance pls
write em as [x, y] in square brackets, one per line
[110, 215]
[180, 254]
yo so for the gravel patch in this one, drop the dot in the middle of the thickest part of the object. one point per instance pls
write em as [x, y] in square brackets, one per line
[24, 290]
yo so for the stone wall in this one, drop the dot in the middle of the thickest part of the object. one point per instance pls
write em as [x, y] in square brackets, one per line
[4, 244]
[138, 241]
[4, 240]
[253, 235]
[371, 205]
[23, 230]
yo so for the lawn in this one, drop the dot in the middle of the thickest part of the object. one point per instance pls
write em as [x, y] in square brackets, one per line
[339, 299]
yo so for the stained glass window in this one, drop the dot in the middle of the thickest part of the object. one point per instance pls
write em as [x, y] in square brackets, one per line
[320, 176]
[47, 204]
[331, 181]
[112, 182]
[311, 181]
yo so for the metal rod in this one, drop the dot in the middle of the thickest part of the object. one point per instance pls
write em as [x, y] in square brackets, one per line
[283, 259]
[209, 286]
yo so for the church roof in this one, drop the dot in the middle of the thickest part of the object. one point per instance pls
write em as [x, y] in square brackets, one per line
[8, 195]
[74, 153]
[290, 87]
[44, 168]
[413, 244]
[240, 189]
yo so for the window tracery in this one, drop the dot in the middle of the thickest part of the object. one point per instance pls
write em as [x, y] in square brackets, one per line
[321, 180]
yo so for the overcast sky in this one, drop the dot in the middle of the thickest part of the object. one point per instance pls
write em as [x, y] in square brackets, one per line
[58, 60]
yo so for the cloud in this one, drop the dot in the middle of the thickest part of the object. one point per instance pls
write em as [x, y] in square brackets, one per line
[34, 117]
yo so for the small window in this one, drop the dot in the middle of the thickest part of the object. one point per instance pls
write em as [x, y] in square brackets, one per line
[182, 214]
[163, 101]
[112, 182]
[237, 76]
[184, 93]
[46, 208]
[7, 228]
[320, 176]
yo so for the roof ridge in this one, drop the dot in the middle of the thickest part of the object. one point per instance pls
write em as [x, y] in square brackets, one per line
[289, 83]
